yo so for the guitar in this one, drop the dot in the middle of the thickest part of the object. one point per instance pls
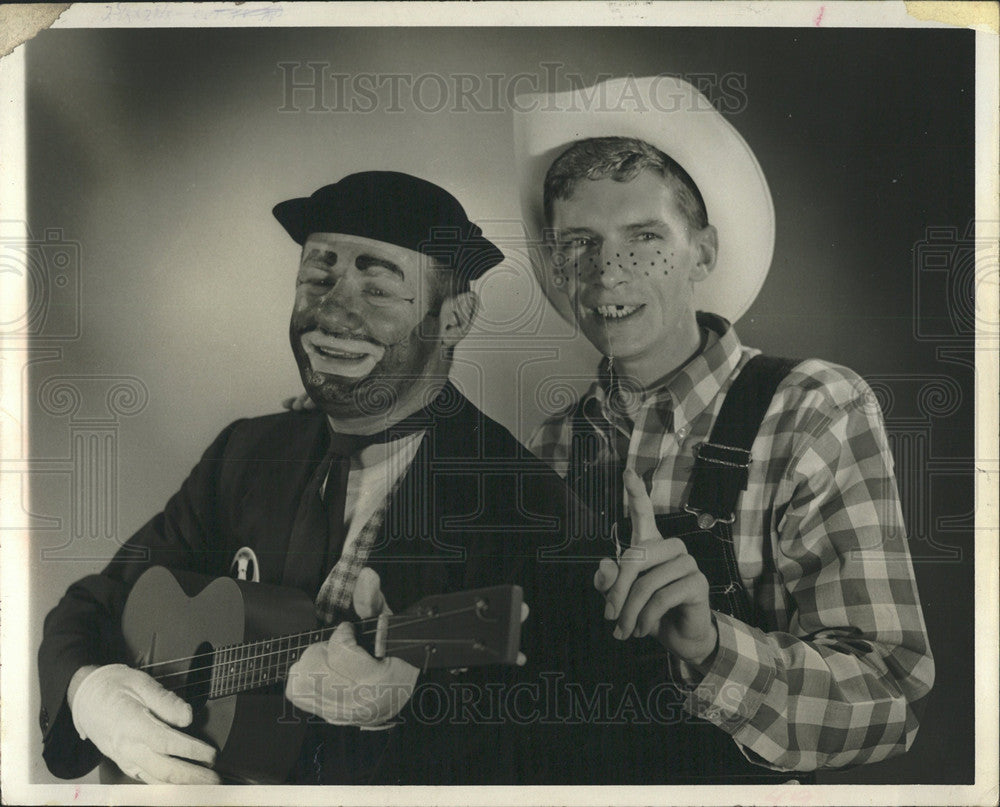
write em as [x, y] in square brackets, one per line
[226, 645]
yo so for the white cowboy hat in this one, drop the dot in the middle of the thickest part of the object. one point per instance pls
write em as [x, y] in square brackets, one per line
[676, 118]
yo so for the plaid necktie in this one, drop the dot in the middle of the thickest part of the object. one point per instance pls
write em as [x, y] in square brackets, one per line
[333, 602]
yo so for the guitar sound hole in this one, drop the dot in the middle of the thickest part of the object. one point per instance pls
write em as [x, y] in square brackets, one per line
[199, 677]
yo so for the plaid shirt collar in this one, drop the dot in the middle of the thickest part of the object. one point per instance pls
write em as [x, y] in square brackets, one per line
[688, 392]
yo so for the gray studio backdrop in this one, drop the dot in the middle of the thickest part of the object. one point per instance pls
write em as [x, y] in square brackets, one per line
[161, 286]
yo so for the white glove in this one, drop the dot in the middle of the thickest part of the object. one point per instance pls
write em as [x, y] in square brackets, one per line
[341, 682]
[125, 713]
[299, 403]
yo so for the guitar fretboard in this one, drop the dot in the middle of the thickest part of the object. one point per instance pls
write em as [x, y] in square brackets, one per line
[243, 667]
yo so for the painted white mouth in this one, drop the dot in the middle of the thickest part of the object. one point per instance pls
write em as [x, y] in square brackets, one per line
[352, 358]
[616, 311]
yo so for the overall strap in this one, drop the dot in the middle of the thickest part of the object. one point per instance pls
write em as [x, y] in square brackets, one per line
[722, 463]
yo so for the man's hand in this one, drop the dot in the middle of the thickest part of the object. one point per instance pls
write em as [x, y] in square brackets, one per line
[126, 713]
[656, 588]
[342, 683]
[299, 403]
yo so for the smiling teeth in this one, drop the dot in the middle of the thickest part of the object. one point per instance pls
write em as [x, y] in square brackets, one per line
[338, 354]
[334, 348]
[616, 311]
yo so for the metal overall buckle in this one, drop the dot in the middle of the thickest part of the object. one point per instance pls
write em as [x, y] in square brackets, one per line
[707, 520]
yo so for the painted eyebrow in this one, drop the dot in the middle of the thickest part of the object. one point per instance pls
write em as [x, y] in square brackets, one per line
[366, 262]
[362, 262]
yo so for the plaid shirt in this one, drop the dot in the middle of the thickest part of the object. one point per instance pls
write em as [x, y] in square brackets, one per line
[831, 678]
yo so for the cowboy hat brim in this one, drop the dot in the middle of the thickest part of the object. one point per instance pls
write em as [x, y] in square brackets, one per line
[673, 116]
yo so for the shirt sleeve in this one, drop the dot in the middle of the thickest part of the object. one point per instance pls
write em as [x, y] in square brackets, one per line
[839, 686]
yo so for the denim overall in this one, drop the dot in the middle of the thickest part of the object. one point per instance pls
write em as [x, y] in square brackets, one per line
[683, 749]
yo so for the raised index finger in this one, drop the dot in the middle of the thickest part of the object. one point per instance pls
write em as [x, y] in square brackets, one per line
[633, 560]
[640, 508]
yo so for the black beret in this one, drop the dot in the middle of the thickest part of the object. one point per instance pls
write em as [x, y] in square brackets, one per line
[396, 208]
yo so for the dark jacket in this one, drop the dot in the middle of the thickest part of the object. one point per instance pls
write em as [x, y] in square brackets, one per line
[474, 509]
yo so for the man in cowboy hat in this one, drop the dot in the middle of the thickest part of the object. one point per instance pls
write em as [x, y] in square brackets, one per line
[754, 499]
[394, 488]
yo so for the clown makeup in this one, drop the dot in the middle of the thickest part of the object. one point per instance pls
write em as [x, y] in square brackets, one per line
[365, 328]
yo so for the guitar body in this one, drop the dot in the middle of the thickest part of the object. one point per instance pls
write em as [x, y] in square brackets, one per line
[177, 615]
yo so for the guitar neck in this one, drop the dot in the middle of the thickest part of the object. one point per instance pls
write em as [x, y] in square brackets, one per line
[243, 667]
[460, 629]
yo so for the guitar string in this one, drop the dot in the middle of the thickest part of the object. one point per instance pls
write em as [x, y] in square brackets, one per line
[329, 628]
[217, 664]
[239, 687]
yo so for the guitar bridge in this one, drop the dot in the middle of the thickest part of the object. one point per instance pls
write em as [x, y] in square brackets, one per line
[147, 657]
